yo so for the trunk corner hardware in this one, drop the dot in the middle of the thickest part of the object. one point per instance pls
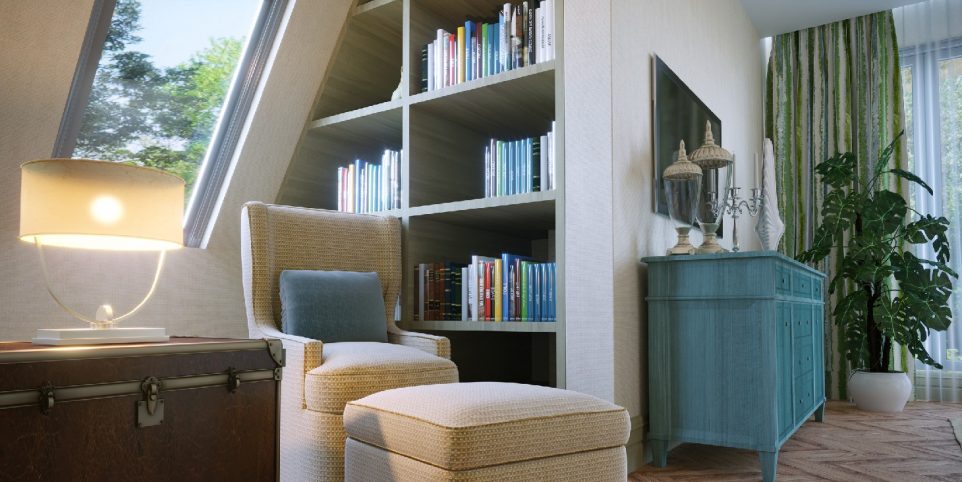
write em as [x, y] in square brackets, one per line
[276, 349]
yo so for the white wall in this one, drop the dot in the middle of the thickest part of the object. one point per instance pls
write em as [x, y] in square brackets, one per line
[714, 49]
[200, 291]
[610, 221]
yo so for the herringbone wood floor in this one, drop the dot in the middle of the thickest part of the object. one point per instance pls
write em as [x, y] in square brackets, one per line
[851, 445]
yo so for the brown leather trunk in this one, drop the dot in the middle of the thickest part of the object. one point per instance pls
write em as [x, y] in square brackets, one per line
[90, 413]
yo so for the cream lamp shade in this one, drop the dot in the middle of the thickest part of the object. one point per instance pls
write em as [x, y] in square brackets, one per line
[88, 204]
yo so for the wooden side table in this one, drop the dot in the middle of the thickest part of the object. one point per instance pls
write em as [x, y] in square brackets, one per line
[189, 409]
[734, 351]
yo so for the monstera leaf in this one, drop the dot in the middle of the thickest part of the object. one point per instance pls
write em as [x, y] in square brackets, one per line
[894, 295]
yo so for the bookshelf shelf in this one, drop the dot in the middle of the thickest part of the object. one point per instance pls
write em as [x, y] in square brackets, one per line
[480, 104]
[527, 215]
[386, 114]
[506, 326]
[384, 8]
[442, 135]
[336, 141]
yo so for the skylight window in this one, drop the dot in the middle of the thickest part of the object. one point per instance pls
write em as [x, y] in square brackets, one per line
[167, 84]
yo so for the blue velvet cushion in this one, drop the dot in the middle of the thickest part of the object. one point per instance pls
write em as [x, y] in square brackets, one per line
[333, 306]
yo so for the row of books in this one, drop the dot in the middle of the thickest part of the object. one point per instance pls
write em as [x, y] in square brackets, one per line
[509, 288]
[439, 293]
[519, 166]
[364, 187]
[522, 35]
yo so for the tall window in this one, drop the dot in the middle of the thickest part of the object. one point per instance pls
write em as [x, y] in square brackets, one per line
[930, 43]
[167, 84]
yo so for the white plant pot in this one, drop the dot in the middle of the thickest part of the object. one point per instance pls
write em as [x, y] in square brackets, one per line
[880, 392]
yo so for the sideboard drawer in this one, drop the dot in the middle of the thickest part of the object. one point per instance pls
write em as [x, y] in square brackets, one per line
[804, 395]
[783, 280]
[802, 320]
[804, 351]
[802, 285]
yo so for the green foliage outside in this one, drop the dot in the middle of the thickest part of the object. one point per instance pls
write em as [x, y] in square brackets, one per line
[898, 296]
[156, 117]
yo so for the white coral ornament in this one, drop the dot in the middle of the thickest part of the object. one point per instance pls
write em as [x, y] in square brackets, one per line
[770, 227]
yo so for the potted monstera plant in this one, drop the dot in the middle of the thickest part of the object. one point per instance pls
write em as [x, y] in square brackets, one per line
[887, 293]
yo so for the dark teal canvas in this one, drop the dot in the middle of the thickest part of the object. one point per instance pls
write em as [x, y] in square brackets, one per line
[333, 306]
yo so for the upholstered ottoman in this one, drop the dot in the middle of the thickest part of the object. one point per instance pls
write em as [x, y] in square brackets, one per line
[484, 431]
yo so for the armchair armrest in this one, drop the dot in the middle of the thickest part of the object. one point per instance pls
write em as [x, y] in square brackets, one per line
[435, 345]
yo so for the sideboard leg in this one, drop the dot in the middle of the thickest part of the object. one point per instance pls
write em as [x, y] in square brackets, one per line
[659, 452]
[820, 412]
[769, 462]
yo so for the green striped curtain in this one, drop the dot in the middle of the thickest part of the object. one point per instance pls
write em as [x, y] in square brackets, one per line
[833, 88]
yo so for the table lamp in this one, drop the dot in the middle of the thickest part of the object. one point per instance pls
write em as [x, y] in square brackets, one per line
[101, 205]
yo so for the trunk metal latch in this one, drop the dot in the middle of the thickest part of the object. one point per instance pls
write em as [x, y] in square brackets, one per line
[47, 398]
[150, 410]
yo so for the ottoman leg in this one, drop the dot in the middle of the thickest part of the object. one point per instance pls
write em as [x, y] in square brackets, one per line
[659, 452]
[769, 462]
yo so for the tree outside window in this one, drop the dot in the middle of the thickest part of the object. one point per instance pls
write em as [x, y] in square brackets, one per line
[153, 115]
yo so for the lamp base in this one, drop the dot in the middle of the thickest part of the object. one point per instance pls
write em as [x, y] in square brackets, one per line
[94, 336]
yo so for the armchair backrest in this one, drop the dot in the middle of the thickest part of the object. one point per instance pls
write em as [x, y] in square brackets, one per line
[275, 238]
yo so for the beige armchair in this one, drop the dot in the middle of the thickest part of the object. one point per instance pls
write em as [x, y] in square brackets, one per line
[319, 379]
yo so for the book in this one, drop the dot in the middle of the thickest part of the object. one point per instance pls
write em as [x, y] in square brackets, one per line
[424, 68]
[530, 37]
[498, 302]
[465, 296]
[549, 29]
[488, 298]
[461, 56]
[429, 74]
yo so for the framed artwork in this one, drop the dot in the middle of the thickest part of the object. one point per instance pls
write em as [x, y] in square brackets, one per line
[678, 115]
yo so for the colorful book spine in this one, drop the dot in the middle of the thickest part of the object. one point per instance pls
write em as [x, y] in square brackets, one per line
[517, 37]
[509, 288]
[364, 187]
[519, 166]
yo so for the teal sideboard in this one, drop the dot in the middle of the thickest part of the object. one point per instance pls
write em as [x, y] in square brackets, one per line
[734, 351]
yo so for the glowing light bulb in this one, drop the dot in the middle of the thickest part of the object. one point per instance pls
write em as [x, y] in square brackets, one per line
[106, 209]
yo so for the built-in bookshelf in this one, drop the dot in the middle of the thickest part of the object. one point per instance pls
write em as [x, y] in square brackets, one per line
[441, 135]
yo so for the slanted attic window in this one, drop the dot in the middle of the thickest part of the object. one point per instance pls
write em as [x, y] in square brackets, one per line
[168, 84]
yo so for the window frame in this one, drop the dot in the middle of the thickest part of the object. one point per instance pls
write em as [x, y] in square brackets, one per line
[216, 164]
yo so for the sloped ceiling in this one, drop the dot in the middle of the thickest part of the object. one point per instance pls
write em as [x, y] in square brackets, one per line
[772, 17]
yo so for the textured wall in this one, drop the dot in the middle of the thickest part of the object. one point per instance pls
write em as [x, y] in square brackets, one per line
[200, 291]
[610, 223]
[588, 224]
[716, 51]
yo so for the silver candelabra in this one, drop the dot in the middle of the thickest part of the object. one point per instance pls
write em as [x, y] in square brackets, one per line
[735, 206]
